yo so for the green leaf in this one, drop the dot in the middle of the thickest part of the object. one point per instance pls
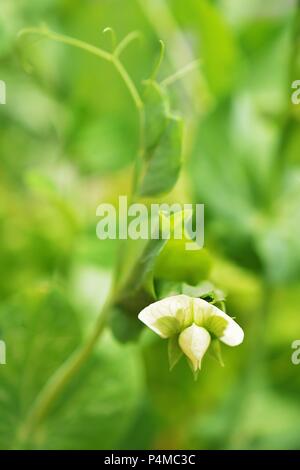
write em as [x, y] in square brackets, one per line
[137, 267]
[135, 289]
[141, 268]
[205, 290]
[93, 413]
[219, 48]
[41, 330]
[124, 327]
[168, 325]
[106, 136]
[175, 263]
[135, 285]
[215, 351]
[156, 109]
[161, 171]
[167, 288]
[174, 351]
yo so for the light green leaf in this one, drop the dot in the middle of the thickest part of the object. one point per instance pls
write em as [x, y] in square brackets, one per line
[93, 412]
[175, 263]
[156, 109]
[219, 51]
[215, 351]
[205, 290]
[174, 351]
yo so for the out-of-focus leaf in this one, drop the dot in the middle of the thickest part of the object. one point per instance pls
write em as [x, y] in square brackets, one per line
[217, 45]
[162, 169]
[277, 240]
[102, 146]
[125, 327]
[266, 421]
[175, 263]
[93, 413]
[41, 330]
[165, 288]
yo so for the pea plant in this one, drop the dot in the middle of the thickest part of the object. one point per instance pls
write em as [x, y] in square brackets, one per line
[157, 282]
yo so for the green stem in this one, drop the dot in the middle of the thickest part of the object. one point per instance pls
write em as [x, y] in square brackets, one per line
[62, 377]
[129, 83]
[160, 60]
[160, 16]
[112, 58]
[126, 41]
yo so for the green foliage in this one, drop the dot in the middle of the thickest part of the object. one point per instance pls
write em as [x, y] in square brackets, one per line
[175, 263]
[42, 330]
[68, 140]
[215, 351]
[163, 165]
[163, 143]
[156, 110]
[205, 290]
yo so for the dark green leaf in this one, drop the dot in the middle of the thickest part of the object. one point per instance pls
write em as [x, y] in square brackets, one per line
[162, 169]
[167, 288]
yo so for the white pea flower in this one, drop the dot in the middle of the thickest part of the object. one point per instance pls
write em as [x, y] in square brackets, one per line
[192, 326]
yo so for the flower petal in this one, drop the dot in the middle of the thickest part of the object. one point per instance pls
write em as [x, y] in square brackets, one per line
[194, 342]
[178, 307]
[206, 314]
[233, 335]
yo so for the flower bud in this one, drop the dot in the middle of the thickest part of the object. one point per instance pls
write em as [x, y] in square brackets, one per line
[194, 342]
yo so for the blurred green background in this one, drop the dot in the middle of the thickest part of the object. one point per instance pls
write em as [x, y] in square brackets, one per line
[69, 135]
